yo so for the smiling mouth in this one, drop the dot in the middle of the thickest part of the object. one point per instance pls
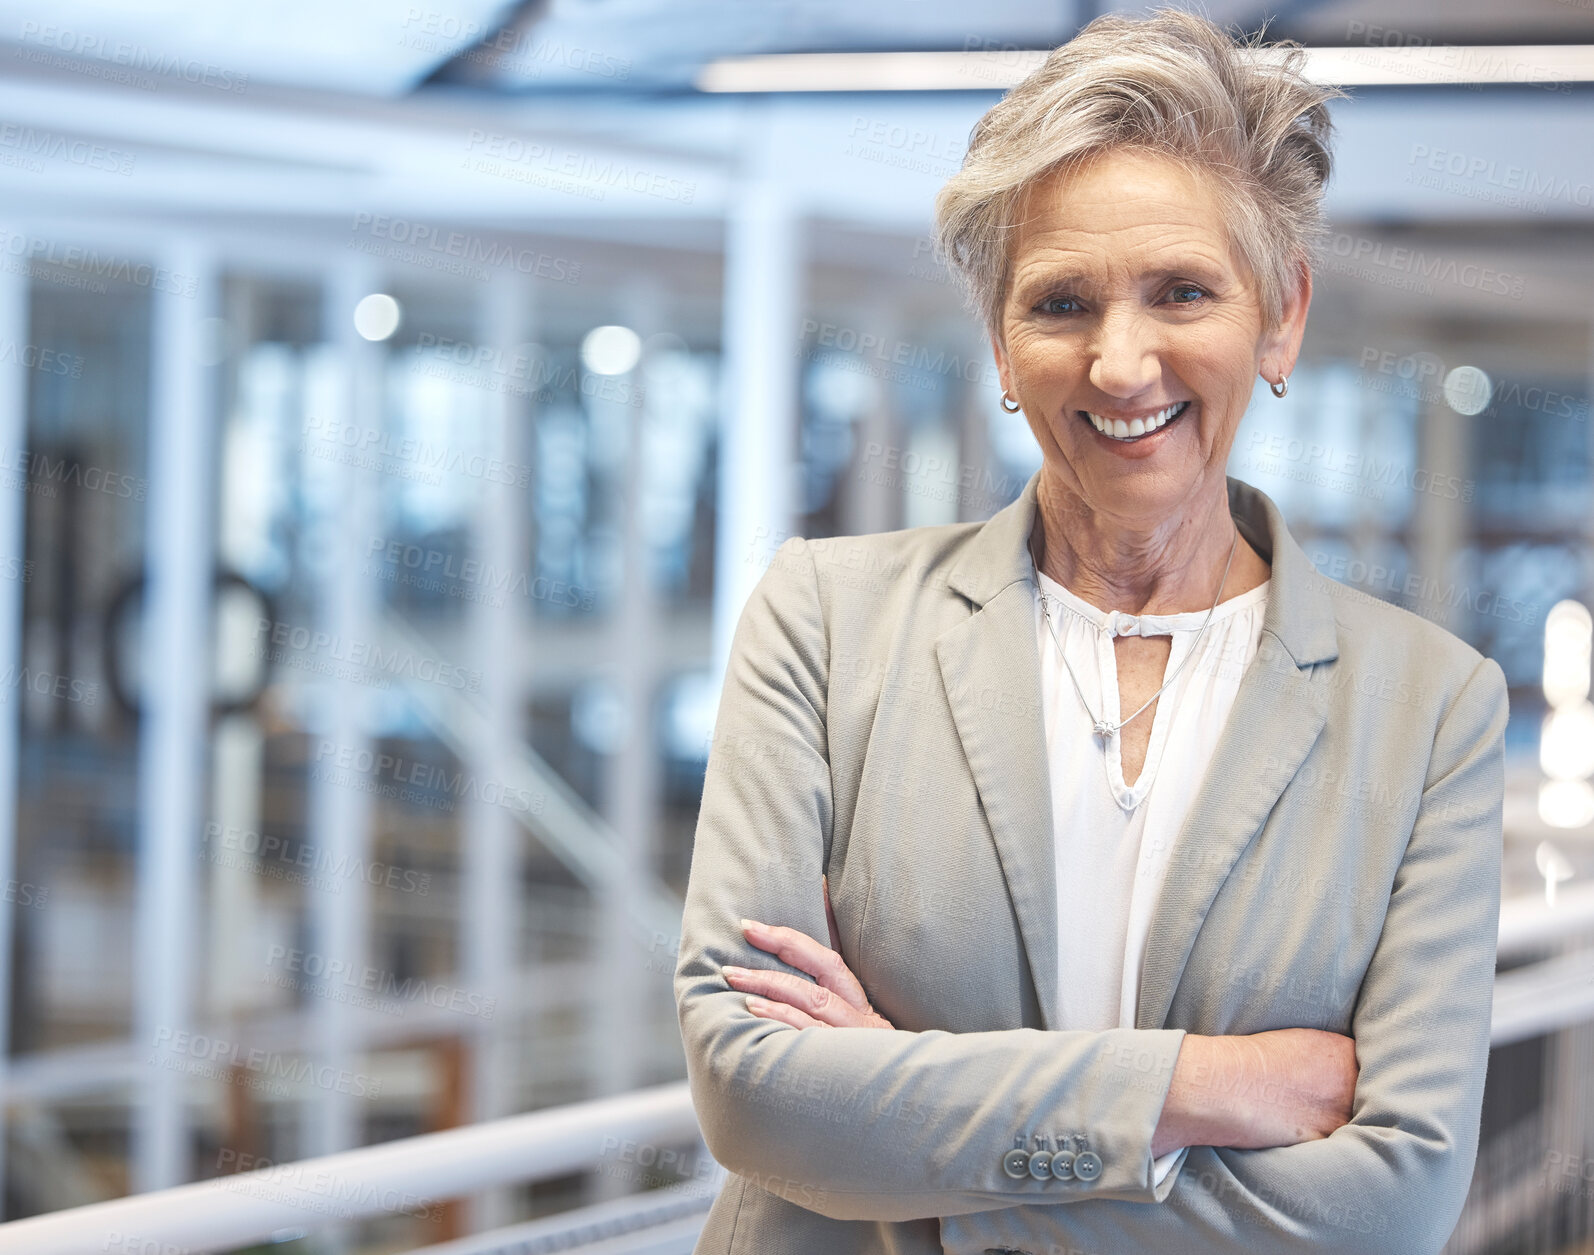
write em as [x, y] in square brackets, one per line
[1118, 429]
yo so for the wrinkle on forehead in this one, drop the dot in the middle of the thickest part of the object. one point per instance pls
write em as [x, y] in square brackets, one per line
[1150, 214]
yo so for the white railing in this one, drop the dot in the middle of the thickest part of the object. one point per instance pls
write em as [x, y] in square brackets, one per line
[1558, 990]
[658, 1222]
[413, 1175]
[1528, 922]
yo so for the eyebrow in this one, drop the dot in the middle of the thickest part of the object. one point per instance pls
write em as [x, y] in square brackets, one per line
[1200, 271]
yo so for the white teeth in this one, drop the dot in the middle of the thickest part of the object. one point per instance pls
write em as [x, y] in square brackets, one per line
[1120, 430]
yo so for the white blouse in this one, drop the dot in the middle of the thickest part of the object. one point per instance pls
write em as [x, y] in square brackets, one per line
[1112, 840]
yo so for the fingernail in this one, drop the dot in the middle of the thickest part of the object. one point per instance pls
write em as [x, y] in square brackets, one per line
[749, 923]
[730, 969]
[756, 1004]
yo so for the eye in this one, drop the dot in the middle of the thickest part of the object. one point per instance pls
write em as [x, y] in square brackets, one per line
[1186, 294]
[1051, 303]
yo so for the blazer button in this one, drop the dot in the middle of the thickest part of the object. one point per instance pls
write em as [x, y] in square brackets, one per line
[1040, 1165]
[1063, 1166]
[1016, 1164]
[1087, 1165]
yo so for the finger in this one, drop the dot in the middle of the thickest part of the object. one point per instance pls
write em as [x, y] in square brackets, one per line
[803, 995]
[830, 915]
[781, 1013]
[801, 951]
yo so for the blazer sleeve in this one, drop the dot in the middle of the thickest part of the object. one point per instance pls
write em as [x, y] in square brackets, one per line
[1393, 1180]
[856, 1123]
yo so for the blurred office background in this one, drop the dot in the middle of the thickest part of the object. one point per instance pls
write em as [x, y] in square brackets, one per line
[397, 402]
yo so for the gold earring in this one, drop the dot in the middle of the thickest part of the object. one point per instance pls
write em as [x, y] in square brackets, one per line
[1281, 387]
[1011, 409]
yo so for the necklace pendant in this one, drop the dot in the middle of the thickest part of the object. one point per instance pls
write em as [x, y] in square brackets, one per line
[1104, 728]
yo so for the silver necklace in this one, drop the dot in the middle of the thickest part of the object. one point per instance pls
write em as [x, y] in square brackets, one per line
[1103, 727]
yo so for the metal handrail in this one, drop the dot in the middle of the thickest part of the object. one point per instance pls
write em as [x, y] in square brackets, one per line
[1542, 998]
[672, 1215]
[1529, 922]
[413, 1176]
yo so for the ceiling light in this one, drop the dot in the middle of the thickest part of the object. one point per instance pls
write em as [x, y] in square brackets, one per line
[376, 317]
[1538, 65]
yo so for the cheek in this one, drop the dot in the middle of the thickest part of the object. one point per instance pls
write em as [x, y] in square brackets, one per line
[1229, 346]
[1219, 362]
[1039, 361]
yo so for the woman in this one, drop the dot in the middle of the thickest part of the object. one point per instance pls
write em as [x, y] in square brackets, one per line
[1160, 873]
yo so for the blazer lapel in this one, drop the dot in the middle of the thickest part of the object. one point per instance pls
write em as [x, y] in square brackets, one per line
[990, 668]
[991, 673]
[1277, 716]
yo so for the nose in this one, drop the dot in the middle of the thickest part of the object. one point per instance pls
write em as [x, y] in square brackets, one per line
[1125, 360]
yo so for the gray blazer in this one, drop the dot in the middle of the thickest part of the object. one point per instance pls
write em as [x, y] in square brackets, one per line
[1339, 869]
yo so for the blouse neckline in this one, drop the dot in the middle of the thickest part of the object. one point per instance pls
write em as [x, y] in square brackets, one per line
[1121, 623]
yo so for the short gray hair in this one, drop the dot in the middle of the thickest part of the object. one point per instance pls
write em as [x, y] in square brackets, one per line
[1174, 84]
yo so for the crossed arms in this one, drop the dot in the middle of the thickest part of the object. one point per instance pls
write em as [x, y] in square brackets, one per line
[883, 1124]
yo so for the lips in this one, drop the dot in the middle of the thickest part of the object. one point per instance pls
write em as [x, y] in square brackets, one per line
[1118, 429]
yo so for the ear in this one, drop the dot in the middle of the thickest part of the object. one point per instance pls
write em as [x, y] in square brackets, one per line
[1004, 368]
[1282, 345]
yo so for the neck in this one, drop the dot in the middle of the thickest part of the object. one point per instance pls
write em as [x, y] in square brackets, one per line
[1169, 566]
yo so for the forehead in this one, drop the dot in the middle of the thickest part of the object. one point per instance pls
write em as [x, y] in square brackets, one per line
[1121, 209]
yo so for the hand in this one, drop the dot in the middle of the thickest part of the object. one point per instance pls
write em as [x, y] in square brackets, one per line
[1275, 1088]
[1305, 1083]
[837, 1001]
